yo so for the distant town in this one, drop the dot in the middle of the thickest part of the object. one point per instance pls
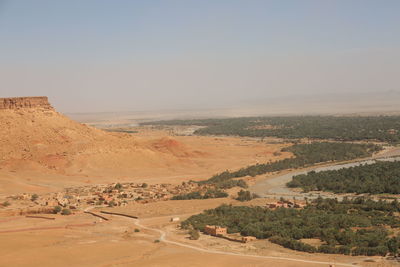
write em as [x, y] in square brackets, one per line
[114, 194]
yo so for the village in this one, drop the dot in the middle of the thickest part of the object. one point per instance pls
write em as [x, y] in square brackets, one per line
[109, 195]
[79, 198]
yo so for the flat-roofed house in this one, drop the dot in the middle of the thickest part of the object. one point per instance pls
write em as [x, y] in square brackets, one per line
[215, 230]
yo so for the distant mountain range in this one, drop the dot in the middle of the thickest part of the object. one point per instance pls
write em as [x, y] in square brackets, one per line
[387, 102]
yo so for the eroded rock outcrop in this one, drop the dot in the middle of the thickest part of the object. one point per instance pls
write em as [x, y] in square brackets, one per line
[25, 102]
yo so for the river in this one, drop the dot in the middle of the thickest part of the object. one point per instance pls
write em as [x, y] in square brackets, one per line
[275, 187]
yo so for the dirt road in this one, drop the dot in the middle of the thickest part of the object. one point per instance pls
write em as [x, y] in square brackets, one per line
[163, 238]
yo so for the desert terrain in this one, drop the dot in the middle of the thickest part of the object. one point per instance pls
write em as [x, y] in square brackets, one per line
[200, 133]
[84, 240]
[42, 150]
[45, 157]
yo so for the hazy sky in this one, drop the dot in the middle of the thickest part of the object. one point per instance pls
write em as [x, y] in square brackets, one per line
[142, 55]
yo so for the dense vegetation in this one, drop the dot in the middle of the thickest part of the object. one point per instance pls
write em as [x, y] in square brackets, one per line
[382, 128]
[121, 131]
[305, 155]
[380, 177]
[357, 227]
[246, 196]
[226, 184]
[211, 193]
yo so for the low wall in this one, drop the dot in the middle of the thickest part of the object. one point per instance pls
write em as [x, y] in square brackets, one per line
[119, 214]
[97, 215]
[39, 217]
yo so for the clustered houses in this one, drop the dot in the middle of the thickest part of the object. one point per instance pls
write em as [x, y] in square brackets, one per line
[50, 200]
[285, 204]
[115, 194]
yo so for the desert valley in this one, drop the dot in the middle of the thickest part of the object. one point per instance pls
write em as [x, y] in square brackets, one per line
[176, 133]
[72, 194]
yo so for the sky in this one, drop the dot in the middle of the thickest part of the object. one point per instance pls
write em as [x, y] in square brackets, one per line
[93, 56]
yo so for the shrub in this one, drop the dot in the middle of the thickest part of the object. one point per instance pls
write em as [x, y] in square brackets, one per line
[118, 186]
[194, 234]
[245, 196]
[137, 230]
[34, 197]
[57, 209]
[66, 212]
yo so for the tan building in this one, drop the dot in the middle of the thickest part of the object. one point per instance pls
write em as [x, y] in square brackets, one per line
[215, 230]
[175, 219]
[279, 204]
[246, 239]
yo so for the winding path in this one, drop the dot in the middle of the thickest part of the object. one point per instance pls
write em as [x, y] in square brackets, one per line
[281, 182]
[163, 238]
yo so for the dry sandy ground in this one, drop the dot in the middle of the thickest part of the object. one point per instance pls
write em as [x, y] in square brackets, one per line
[42, 150]
[83, 240]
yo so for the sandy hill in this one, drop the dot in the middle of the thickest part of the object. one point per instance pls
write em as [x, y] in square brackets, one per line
[42, 150]
[33, 136]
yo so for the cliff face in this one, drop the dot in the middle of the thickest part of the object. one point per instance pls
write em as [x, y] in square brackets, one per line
[25, 102]
[37, 139]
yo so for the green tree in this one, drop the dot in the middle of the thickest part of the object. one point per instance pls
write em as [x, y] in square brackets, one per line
[66, 212]
[393, 246]
[194, 234]
[244, 195]
[57, 209]
[6, 204]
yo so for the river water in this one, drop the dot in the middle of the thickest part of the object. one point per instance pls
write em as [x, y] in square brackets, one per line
[275, 187]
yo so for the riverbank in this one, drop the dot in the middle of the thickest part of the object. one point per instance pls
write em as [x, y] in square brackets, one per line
[275, 186]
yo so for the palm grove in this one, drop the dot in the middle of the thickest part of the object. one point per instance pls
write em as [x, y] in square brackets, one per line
[352, 227]
[377, 178]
